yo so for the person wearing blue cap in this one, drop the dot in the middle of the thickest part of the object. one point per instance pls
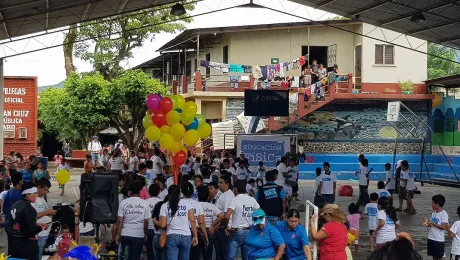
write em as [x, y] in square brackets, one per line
[264, 241]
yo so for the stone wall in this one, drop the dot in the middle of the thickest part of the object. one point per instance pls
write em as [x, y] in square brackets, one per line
[235, 106]
[363, 147]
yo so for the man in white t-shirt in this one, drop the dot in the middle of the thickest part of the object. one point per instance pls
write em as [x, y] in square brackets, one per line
[240, 211]
[133, 222]
[223, 204]
[228, 167]
[454, 234]
[292, 177]
[44, 213]
[95, 148]
[154, 190]
[437, 224]
[241, 173]
[281, 168]
[363, 174]
[328, 184]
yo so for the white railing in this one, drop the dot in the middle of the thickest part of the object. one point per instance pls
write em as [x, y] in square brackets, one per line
[314, 247]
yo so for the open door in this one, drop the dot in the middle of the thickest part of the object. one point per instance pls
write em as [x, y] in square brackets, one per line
[331, 55]
[358, 53]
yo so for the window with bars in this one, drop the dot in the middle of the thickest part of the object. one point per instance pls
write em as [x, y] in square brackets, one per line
[384, 54]
[225, 54]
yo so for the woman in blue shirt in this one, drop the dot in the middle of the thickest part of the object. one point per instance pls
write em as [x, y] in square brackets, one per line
[26, 173]
[295, 237]
[264, 241]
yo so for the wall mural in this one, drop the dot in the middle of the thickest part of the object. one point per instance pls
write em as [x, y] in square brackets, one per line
[445, 124]
[355, 121]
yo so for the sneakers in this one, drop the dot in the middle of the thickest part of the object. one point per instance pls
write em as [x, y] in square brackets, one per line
[412, 212]
[406, 210]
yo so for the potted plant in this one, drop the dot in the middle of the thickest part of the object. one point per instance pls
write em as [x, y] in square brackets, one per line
[406, 87]
[389, 91]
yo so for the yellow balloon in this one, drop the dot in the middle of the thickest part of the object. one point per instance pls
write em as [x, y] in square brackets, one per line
[177, 147]
[63, 176]
[147, 121]
[187, 118]
[191, 137]
[190, 108]
[153, 133]
[177, 131]
[166, 129]
[180, 101]
[172, 117]
[201, 119]
[204, 130]
[166, 141]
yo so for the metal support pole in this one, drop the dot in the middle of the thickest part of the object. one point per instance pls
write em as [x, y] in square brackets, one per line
[421, 160]
[178, 68]
[185, 67]
[197, 53]
[308, 46]
[2, 107]
[163, 68]
[171, 70]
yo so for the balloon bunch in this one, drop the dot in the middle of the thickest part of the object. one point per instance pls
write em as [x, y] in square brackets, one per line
[174, 123]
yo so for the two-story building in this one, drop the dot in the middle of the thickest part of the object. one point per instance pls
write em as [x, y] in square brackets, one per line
[353, 111]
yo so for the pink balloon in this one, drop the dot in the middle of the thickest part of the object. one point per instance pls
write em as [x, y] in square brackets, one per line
[153, 101]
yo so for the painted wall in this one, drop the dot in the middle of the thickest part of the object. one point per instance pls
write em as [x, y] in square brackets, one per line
[445, 124]
[409, 65]
[20, 121]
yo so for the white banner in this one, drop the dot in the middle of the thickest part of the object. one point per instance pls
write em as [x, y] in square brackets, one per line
[266, 148]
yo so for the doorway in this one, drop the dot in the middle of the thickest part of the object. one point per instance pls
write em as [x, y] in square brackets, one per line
[358, 54]
[318, 53]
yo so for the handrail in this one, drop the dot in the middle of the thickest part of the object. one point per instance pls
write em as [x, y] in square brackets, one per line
[307, 226]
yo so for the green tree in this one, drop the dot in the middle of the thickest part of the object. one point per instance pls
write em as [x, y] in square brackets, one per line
[127, 32]
[128, 93]
[77, 111]
[437, 67]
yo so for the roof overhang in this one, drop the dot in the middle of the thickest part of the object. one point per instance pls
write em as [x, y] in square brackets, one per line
[22, 17]
[432, 20]
[446, 82]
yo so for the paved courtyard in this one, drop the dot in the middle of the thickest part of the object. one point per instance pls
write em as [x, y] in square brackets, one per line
[411, 224]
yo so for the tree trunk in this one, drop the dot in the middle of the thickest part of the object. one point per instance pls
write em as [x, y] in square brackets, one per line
[69, 42]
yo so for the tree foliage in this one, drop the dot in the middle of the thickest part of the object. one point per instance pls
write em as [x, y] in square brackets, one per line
[113, 40]
[437, 67]
[89, 103]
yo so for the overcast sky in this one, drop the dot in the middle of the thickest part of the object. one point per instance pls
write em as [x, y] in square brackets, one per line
[48, 65]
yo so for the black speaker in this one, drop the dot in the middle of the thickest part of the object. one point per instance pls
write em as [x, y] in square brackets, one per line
[99, 198]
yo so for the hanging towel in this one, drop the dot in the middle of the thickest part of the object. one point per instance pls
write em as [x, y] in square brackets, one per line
[256, 72]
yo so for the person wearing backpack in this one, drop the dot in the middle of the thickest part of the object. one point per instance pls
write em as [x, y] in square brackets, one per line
[95, 148]
[272, 198]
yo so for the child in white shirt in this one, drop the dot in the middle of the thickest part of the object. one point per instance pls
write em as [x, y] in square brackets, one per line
[437, 225]
[390, 184]
[454, 234]
[371, 210]
[381, 191]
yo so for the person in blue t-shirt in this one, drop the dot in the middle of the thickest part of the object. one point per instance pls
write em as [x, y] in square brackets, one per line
[264, 241]
[26, 173]
[295, 237]
[11, 197]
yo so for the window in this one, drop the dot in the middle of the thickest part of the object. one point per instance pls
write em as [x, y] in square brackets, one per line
[208, 69]
[225, 54]
[384, 54]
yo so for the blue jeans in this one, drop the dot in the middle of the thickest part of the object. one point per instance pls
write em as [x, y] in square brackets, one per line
[132, 246]
[238, 240]
[178, 247]
[149, 244]
[160, 252]
[96, 157]
[41, 245]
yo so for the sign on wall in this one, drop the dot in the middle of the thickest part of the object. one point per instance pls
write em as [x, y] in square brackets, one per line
[393, 111]
[266, 148]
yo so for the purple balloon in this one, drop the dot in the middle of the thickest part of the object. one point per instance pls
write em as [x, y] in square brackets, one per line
[153, 102]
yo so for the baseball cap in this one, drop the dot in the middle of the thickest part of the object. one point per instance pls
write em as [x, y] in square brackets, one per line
[258, 216]
[329, 208]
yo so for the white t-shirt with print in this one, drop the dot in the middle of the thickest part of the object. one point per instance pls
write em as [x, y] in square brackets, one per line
[243, 206]
[362, 175]
[456, 241]
[40, 206]
[231, 170]
[134, 211]
[241, 174]
[404, 178]
[328, 183]
[178, 224]
[224, 200]
[197, 209]
[294, 172]
[388, 232]
[281, 168]
[371, 210]
[151, 202]
[438, 218]
[410, 181]
[392, 184]
[383, 193]
[157, 164]
[210, 213]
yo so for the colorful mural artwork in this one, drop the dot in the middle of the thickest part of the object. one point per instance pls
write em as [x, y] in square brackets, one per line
[354, 121]
[445, 124]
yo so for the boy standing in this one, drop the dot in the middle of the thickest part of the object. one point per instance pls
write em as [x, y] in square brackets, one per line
[381, 191]
[404, 175]
[409, 178]
[371, 210]
[390, 184]
[363, 182]
[454, 234]
[437, 224]
[327, 185]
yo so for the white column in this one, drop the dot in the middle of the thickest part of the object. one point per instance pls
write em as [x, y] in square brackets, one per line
[2, 102]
